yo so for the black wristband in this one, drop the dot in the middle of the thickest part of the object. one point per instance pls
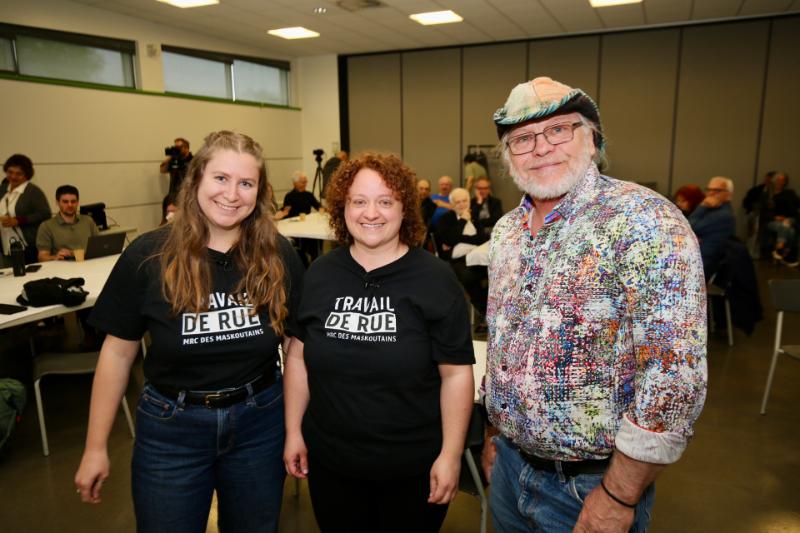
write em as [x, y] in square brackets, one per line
[625, 504]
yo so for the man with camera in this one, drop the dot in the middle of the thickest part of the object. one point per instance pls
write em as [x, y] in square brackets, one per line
[176, 163]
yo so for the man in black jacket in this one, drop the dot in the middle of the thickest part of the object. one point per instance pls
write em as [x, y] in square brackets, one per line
[485, 207]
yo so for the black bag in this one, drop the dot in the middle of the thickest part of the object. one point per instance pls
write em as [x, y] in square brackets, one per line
[53, 291]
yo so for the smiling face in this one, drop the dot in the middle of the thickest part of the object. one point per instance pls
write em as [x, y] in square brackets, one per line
[373, 214]
[227, 194]
[550, 171]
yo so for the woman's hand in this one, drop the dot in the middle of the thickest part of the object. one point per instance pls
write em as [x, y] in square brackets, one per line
[91, 474]
[444, 479]
[295, 455]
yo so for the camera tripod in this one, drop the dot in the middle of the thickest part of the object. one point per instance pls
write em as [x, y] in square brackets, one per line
[317, 185]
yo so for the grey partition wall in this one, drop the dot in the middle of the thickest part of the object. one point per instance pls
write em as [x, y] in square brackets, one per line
[637, 91]
[432, 112]
[719, 104]
[780, 142]
[375, 106]
[570, 60]
[679, 105]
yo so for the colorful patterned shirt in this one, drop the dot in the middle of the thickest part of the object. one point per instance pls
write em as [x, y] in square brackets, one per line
[597, 326]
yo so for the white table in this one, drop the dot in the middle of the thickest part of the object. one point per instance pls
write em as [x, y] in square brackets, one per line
[94, 272]
[479, 256]
[479, 368]
[315, 226]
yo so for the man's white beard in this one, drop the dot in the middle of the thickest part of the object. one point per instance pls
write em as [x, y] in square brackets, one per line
[548, 191]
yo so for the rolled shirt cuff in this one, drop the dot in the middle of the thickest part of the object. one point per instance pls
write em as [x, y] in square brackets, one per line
[649, 446]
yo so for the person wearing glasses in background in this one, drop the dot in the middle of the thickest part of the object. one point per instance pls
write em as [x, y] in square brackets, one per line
[596, 366]
[713, 222]
[23, 206]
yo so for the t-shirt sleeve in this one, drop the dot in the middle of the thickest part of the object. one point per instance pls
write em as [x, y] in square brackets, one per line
[118, 310]
[44, 238]
[294, 287]
[449, 327]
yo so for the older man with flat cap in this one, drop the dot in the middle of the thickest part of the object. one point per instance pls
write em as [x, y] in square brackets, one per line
[597, 328]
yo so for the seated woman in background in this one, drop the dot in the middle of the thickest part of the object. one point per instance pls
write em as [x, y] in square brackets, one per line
[23, 206]
[458, 234]
[688, 197]
[379, 387]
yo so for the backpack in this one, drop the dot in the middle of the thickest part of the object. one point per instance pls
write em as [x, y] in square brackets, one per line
[53, 291]
[12, 401]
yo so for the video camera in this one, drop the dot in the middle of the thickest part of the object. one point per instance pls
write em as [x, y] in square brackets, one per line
[172, 151]
[176, 163]
[318, 155]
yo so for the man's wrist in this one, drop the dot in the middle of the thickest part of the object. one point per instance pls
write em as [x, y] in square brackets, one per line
[616, 498]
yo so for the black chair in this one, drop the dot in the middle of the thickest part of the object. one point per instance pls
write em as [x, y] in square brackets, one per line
[472, 480]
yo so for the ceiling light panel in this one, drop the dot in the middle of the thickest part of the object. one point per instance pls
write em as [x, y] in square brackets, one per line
[436, 17]
[183, 4]
[296, 32]
[608, 3]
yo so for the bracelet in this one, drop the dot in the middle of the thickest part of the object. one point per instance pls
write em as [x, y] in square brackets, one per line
[628, 505]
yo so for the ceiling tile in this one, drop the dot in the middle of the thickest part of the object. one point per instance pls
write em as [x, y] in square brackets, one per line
[625, 16]
[573, 15]
[762, 7]
[666, 11]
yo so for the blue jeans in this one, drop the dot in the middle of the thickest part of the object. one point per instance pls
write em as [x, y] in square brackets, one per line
[523, 499]
[184, 452]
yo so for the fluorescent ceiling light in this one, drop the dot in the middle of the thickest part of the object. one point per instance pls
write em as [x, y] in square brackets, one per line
[296, 32]
[189, 3]
[607, 3]
[436, 17]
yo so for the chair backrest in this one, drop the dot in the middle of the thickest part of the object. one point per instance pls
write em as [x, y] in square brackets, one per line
[785, 294]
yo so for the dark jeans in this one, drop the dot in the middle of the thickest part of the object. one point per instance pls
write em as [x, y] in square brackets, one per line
[184, 452]
[351, 505]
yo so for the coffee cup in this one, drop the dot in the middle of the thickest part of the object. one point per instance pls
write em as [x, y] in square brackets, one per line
[79, 254]
[302, 216]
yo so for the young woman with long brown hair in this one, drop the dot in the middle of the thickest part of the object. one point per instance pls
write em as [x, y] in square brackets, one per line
[216, 289]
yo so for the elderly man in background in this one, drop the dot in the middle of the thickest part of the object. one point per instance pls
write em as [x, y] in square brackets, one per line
[426, 205]
[485, 207]
[67, 231]
[713, 222]
[596, 364]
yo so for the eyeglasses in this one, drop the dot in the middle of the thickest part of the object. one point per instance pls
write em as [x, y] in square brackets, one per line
[715, 189]
[555, 134]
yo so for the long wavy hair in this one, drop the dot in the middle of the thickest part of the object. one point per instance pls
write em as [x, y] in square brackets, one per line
[398, 177]
[186, 273]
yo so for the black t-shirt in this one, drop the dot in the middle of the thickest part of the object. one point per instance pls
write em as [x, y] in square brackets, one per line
[300, 202]
[373, 342]
[222, 347]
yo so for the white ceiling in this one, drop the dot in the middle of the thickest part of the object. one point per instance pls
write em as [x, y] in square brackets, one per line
[389, 28]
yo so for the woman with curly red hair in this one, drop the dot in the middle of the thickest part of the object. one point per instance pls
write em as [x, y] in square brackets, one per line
[379, 387]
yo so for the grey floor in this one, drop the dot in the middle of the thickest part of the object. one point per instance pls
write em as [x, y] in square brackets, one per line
[741, 473]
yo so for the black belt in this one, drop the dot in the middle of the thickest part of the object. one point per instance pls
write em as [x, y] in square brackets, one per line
[221, 398]
[568, 468]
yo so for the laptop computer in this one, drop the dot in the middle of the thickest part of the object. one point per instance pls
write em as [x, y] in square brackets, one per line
[103, 245]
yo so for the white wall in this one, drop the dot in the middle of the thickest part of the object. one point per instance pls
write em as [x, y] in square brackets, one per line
[108, 143]
[319, 97]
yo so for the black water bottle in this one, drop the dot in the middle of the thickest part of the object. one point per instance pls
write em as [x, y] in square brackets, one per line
[17, 257]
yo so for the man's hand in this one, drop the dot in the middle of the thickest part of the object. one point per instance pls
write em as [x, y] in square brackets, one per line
[712, 202]
[601, 514]
[63, 254]
[9, 222]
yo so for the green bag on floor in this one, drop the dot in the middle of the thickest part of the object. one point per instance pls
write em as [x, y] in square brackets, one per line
[12, 401]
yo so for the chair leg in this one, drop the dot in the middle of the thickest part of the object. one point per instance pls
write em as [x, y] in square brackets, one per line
[476, 478]
[728, 321]
[40, 410]
[127, 411]
[775, 353]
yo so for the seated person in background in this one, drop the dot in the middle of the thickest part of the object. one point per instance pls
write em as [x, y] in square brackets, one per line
[169, 207]
[713, 222]
[442, 200]
[458, 234]
[688, 197]
[299, 200]
[23, 207]
[757, 204]
[426, 205]
[473, 171]
[783, 217]
[484, 206]
[67, 230]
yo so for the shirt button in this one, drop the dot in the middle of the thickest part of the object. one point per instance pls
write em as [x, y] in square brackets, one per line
[503, 368]
[528, 287]
[503, 405]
